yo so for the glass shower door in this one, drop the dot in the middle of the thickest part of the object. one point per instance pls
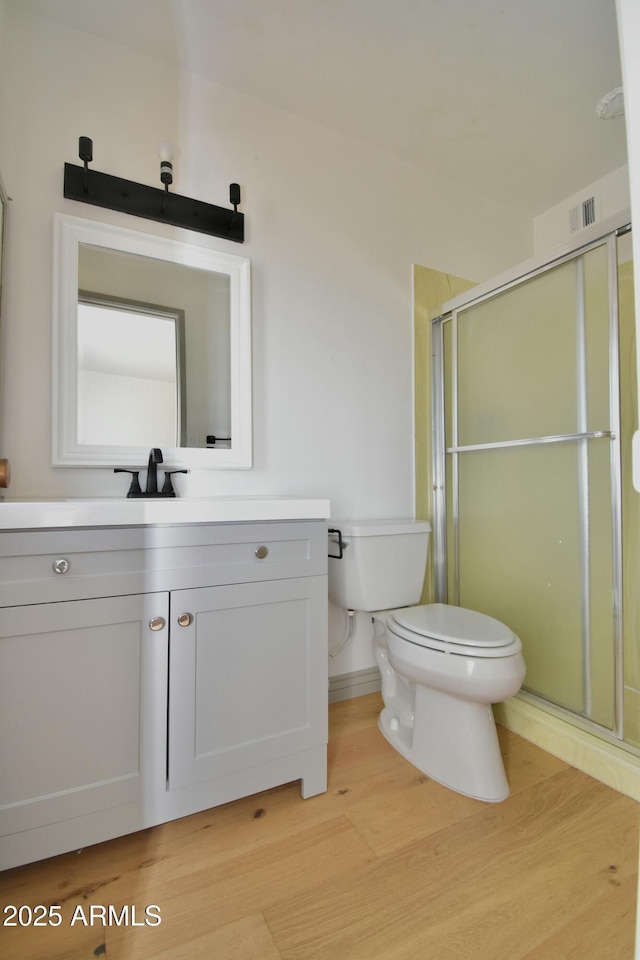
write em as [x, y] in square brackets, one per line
[531, 451]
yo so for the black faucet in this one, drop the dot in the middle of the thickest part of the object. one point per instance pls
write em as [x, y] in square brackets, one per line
[151, 489]
[155, 457]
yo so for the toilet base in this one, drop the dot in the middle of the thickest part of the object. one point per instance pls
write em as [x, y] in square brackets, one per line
[451, 741]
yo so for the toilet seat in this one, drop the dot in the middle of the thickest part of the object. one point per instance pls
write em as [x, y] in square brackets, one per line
[454, 630]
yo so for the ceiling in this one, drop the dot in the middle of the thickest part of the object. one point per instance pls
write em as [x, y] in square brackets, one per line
[498, 95]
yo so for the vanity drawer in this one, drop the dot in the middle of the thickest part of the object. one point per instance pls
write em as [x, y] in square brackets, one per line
[52, 565]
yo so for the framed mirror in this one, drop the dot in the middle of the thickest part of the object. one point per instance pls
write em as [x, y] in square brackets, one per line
[151, 348]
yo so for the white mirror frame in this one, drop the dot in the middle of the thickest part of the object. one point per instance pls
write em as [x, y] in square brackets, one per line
[69, 233]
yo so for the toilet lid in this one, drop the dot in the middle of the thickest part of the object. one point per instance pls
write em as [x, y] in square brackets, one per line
[455, 625]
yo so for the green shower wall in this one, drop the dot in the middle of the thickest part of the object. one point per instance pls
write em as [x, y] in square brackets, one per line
[630, 506]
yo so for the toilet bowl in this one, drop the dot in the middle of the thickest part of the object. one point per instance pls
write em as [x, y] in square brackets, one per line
[441, 666]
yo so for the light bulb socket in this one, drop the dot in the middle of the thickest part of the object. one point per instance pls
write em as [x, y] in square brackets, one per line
[166, 172]
[85, 149]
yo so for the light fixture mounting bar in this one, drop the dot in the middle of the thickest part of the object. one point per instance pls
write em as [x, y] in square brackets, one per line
[152, 203]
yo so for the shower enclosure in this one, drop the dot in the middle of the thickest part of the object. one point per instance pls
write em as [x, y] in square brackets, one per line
[528, 478]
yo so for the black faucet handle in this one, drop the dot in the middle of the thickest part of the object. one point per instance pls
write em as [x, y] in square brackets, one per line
[167, 486]
[135, 482]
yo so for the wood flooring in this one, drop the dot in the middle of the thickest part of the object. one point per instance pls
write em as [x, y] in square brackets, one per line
[387, 865]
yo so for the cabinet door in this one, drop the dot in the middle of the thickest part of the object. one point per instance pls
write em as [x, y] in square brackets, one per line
[248, 676]
[82, 708]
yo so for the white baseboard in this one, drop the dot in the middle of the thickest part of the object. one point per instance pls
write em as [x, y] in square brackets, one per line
[356, 684]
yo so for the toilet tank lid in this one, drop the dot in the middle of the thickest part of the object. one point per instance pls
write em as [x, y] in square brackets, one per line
[380, 528]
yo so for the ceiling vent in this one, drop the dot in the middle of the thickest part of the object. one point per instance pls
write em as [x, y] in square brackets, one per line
[583, 214]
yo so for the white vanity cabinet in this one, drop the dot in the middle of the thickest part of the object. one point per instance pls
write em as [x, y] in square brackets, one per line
[149, 672]
[244, 677]
[83, 710]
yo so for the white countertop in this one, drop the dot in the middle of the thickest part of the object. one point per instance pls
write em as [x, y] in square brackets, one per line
[42, 514]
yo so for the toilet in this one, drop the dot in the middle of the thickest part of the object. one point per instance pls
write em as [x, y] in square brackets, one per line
[442, 666]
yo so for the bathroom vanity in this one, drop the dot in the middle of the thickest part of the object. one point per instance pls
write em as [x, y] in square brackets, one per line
[156, 658]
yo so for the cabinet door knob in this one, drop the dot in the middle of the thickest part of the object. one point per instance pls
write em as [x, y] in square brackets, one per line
[262, 552]
[61, 565]
[185, 619]
[157, 623]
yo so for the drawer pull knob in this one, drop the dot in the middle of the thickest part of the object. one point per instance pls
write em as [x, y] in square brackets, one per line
[157, 623]
[61, 565]
[262, 552]
[185, 619]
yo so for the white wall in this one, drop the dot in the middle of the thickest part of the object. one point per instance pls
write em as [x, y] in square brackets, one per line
[3, 7]
[611, 193]
[629, 30]
[333, 229]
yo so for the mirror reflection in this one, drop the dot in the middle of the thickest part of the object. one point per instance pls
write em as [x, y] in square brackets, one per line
[152, 348]
[129, 332]
[130, 358]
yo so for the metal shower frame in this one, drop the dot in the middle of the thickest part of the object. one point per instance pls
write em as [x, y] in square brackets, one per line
[607, 236]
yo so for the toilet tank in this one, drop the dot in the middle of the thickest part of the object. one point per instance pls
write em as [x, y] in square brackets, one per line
[383, 563]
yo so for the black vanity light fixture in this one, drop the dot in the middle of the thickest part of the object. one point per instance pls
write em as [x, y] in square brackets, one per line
[153, 203]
